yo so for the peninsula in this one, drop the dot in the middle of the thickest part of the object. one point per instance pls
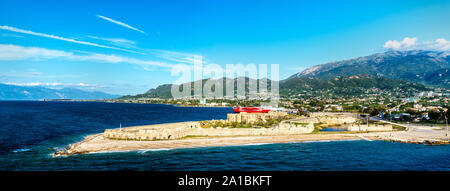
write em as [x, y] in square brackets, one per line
[253, 128]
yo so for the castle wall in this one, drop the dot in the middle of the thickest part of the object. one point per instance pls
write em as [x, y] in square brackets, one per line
[287, 127]
[180, 130]
[282, 129]
[253, 117]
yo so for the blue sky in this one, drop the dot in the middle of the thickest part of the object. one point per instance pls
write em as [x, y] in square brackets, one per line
[128, 47]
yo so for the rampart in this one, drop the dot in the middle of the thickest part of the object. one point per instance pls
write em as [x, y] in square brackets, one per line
[253, 117]
[194, 129]
[184, 129]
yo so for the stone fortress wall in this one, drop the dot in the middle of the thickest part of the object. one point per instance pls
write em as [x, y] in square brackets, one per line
[253, 117]
[152, 132]
[184, 129]
[279, 130]
[180, 130]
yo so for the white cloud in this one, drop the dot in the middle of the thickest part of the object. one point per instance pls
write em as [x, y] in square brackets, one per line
[177, 56]
[15, 52]
[13, 29]
[117, 41]
[412, 44]
[404, 44]
[119, 89]
[440, 44]
[81, 84]
[57, 85]
[35, 84]
[10, 35]
[120, 23]
[31, 73]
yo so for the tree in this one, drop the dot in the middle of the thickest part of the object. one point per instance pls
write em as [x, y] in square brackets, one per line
[373, 110]
[435, 115]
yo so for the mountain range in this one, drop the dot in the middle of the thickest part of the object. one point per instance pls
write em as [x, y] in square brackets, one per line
[430, 68]
[341, 86]
[401, 71]
[12, 92]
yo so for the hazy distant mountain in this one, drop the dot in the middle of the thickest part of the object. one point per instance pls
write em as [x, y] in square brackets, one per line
[426, 67]
[11, 92]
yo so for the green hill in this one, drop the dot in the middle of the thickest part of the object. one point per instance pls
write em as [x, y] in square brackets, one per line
[340, 86]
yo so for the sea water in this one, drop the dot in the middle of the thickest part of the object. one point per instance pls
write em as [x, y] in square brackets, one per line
[28, 129]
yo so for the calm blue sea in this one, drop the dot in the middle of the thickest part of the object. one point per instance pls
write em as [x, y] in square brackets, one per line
[29, 128]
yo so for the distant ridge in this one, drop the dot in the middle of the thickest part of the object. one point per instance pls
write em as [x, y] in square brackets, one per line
[12, 92]
[401, 71]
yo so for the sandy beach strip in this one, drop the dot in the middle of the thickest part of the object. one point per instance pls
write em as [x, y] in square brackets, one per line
[97, 143]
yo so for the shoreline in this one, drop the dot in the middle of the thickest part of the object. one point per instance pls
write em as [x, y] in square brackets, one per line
[96, 143]
[251, 144]
[102, 142]
[107, 101]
